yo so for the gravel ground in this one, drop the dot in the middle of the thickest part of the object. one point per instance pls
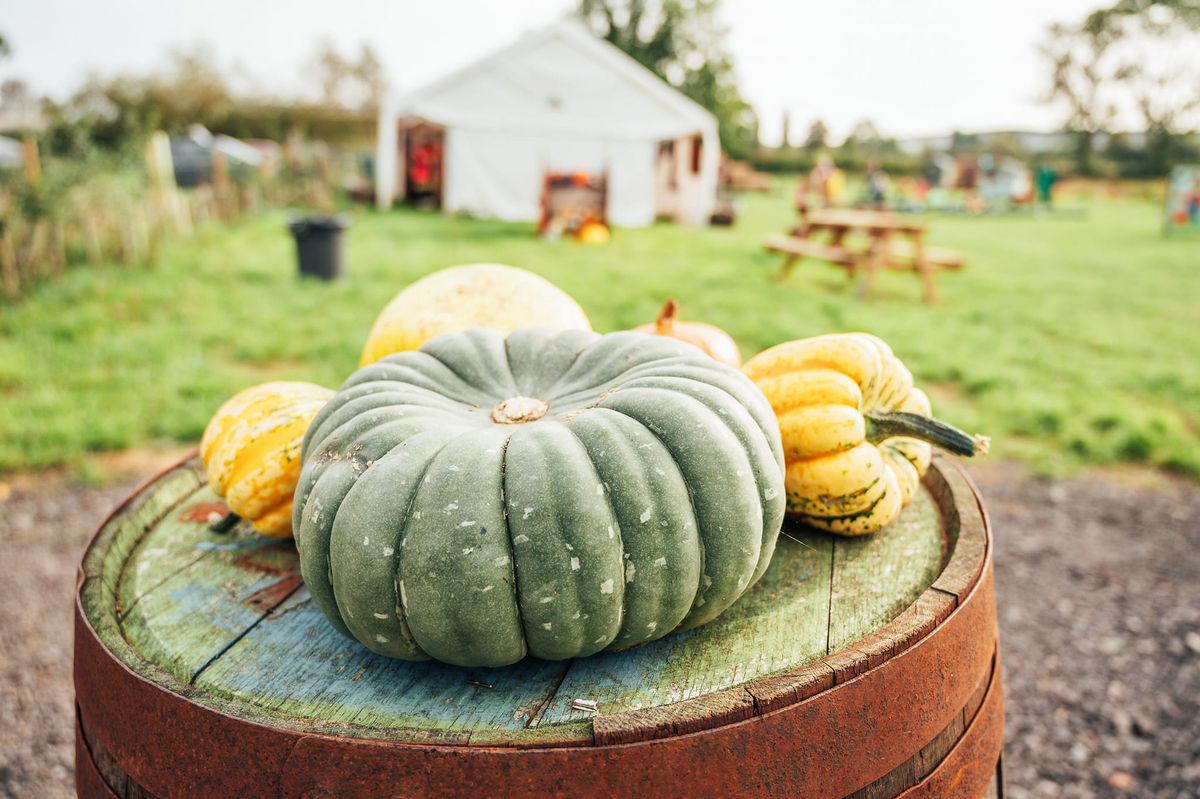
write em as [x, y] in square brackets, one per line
[1099, 592]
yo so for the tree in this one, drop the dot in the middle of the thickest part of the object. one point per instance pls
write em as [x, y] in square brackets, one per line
[682, 42]
[1157, 46]
[865, 132]
[1186, 12]
[15, 94]
[1082, 79]
[346, 82]
[1139, 57]
[818, 136]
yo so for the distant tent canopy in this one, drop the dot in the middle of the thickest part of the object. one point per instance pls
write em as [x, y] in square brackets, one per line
[558, 100]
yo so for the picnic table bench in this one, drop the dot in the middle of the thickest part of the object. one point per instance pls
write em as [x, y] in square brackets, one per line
[865, 667]
[893, 242]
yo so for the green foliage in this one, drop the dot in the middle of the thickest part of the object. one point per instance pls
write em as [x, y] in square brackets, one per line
[349, 83]
[117, 113]
[1138, 56]
[1070, 341]
[682, 42]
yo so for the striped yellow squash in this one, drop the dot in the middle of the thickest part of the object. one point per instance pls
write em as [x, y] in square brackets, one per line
[251, 450]
[856, 431]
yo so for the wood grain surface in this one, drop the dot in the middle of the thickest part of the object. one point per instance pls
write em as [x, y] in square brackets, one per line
[226, 616]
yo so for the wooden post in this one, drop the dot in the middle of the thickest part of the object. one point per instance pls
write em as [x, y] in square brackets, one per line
[139, 227]
[161, 168]
[786, 268]
[35, 253]
[921, 264]
[33, 164]
[58, 248]
[128, 248]
[8, 268]
[93, 244]
[873, 262]
[221, 185]
[837, 240]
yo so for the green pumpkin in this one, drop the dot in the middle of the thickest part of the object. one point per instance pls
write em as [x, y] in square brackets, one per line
[549, 493]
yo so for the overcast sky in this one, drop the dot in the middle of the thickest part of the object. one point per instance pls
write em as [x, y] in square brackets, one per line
[914, 67]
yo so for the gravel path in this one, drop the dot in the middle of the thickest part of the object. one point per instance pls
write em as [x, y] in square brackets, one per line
[1099, 592]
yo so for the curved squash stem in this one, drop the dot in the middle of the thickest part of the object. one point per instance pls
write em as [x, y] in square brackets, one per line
[889, 424]
[665, 323]
[225, 523]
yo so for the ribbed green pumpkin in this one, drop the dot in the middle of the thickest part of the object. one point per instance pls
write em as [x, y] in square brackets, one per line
[550, 493]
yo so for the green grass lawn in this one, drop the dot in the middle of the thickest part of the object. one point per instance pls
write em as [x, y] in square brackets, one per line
[1069, 340]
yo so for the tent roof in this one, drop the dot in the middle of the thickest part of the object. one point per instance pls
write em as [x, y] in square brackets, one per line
[560, 79]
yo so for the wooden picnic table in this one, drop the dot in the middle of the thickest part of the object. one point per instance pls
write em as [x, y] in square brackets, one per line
[894, 241]
[857, 666]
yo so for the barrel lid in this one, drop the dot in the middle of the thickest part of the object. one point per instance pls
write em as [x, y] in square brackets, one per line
[224, 620]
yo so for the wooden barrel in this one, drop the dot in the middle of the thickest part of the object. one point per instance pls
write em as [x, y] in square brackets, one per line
[857, 667]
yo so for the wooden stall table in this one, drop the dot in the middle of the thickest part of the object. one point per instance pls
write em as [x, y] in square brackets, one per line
[893, 242]
[860, 667]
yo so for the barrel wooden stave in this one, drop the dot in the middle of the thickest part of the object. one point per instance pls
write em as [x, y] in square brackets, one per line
[815, 730]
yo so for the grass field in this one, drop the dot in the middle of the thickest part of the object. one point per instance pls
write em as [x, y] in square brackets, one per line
[1069, 340]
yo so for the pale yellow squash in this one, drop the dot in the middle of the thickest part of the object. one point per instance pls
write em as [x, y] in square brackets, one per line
[458, 298]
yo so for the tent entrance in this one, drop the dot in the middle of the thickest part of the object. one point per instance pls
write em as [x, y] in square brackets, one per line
[677, 175]
[423, 146]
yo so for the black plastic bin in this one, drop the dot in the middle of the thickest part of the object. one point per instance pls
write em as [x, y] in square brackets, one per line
[319, 245]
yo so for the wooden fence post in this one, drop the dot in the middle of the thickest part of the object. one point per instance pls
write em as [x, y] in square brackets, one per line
[57, 256]
[160, 165]
[8, 268]
[33, 165]
[93, 244]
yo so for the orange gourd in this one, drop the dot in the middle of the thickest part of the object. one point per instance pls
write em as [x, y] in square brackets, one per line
[714, 341]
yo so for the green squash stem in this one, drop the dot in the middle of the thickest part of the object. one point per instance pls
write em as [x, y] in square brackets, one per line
[225, 523]
[889, 424]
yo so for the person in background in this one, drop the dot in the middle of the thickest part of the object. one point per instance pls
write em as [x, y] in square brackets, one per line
[931, 173]
[800, 198]
[835, 187]
[877, 186]
[1044, 179]
[821, 177]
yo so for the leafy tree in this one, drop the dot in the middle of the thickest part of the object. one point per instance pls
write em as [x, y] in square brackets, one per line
[1185, 12]
[1139, 56]
[964, 143]
[682, 42]
[118, 112]
[865, 141]
[818, 136]
[864, 132]
[351, 83]
[1081, 79]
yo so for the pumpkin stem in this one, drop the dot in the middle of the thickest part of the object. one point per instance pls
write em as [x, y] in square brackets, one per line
[225, 523]
[518, 410]
[665, 322]
[888, 424]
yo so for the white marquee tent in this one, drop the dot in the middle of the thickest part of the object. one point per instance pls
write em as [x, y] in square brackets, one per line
[562, 100]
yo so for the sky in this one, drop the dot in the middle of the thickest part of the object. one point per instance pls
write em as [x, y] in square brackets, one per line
[915, 67]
